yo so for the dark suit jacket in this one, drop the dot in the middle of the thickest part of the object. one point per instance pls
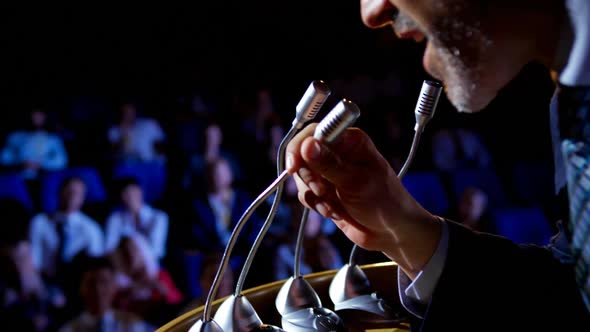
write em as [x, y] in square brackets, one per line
[205, 233]
[491, 284]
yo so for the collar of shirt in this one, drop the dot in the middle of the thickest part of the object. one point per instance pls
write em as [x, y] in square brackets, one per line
[68, 218]
[577, 69]
[145, 213]
[217, 204]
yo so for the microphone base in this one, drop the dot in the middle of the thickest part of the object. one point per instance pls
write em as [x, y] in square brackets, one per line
[313, 320]
[208, 326]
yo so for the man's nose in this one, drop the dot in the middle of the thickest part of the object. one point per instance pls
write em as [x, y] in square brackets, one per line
[377, 13]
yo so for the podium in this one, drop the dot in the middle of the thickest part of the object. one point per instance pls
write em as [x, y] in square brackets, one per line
[383, 278]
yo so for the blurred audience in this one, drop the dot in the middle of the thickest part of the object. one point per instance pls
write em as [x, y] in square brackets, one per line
[98, 289]
[136, 139]
[34, 149]
[136, 217]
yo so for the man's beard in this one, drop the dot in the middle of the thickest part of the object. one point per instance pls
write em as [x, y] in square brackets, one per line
[456, 48]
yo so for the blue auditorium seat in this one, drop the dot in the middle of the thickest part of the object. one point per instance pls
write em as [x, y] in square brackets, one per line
[428, 190]
[51, 183]
[13, 186]
[523, 225]
[485, 179]
[151, 177]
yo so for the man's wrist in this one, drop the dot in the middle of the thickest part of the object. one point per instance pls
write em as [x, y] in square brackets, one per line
[414, 243]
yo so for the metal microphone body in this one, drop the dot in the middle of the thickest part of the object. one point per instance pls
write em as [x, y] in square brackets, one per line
[297, 301]
[427, 103]
[236, 314]
[310, 104]
[306, 110]
[342, 116]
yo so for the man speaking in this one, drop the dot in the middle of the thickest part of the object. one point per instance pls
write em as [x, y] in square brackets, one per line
[451, 278]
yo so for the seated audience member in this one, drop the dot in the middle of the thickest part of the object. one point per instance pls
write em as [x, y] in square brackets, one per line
[314, 242]
[220, 210]
[57, 238]
[213, 150]
[98, 289]
[144, 287]
[28, 301]
[34, 149]
[135, 138]
[136, 217]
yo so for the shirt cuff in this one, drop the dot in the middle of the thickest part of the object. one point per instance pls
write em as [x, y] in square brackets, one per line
[415, 294]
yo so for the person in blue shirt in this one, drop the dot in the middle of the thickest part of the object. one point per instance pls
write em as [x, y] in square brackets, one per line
[35, 149]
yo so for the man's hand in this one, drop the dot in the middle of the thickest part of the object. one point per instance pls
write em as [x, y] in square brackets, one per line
[350, 182]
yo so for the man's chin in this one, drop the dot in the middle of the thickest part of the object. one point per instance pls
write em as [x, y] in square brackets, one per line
[471, 102]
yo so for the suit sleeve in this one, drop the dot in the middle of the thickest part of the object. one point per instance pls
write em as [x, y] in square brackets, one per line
[491, 283]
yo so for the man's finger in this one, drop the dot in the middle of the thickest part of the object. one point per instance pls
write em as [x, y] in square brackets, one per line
[293, 152]
[351, 154]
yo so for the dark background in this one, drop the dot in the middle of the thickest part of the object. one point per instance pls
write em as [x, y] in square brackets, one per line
[54, 55]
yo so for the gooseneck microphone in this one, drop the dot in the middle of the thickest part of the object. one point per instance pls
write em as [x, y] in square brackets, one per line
[312, 101]
[424, 111]
[427, 103]
[236, 313]
[297, 302]
[350, 290]
[206, 323]
[310, 104]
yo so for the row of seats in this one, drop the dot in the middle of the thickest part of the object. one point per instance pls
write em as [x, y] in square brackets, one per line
[530, 185]
[151, 176]
[520, 218]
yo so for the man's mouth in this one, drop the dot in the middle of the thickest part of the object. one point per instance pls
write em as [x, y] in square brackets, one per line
[406, 28]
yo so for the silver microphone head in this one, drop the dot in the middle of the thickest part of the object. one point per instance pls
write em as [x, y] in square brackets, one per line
[313, 99]
[427, 102]
[342, 116]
